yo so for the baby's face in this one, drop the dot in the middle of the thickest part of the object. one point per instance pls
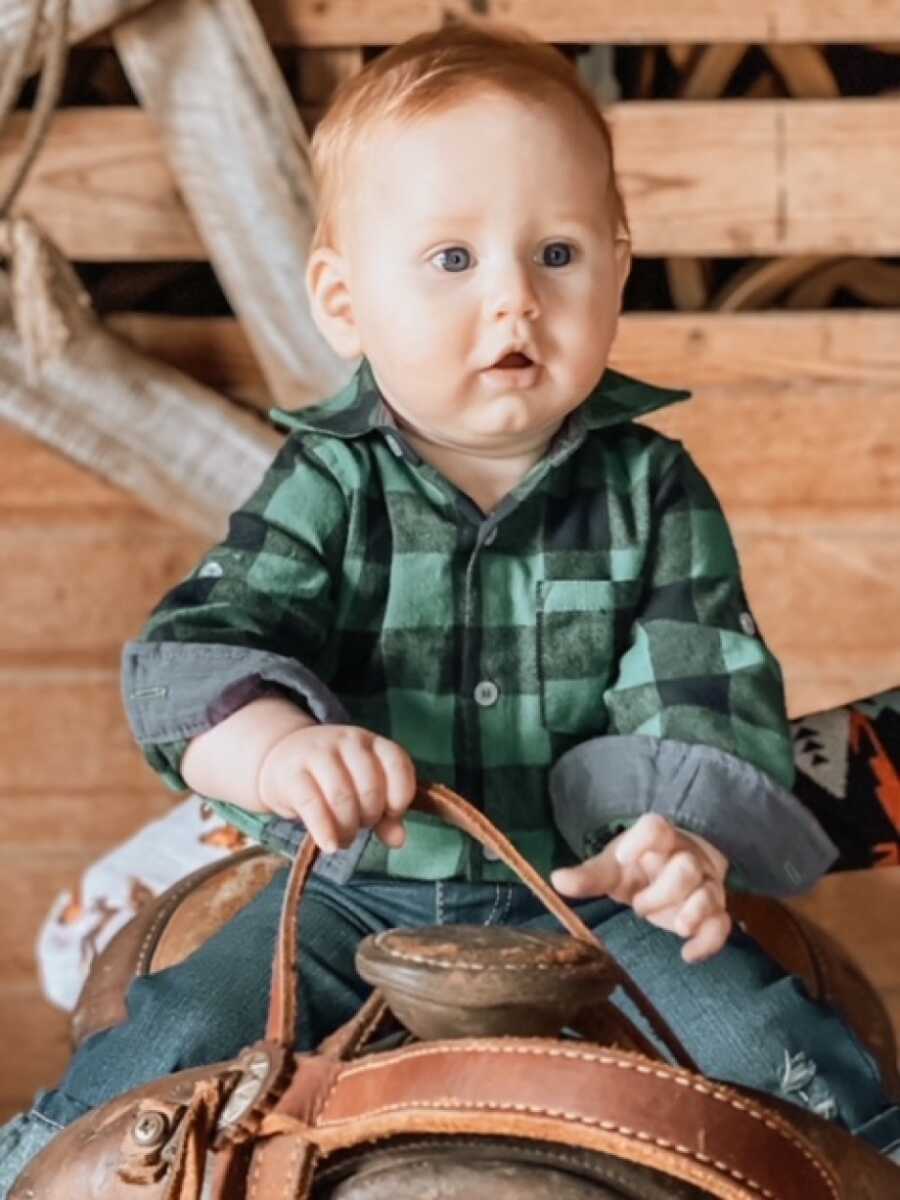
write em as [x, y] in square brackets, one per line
[483, 227]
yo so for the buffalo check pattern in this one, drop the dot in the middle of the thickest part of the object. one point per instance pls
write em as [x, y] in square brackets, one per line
[602, 596]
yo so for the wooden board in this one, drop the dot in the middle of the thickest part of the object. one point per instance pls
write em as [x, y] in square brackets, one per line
[773, 351]
[826, 601]
[792, 413]
[35, 1045]
[85, 581]
[214, 350]
[101, 176]
[65, 726]
[739, 178]
[731, 178]
[93, 818]
[36, 480]
[347, 22]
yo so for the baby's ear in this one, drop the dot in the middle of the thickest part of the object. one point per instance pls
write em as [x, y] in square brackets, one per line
[330, 303]
[622, 252]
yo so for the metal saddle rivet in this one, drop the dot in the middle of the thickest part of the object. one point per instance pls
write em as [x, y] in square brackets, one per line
[150, 1129]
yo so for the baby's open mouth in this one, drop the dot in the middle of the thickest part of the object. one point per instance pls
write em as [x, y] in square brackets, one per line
[512, 360]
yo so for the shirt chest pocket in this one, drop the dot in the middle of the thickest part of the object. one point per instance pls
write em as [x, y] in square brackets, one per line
[582, 631]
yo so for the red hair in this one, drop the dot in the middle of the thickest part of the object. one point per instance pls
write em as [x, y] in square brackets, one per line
[428, 74]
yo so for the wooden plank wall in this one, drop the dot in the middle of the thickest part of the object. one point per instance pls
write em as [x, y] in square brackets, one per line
[701, 178]
[795, 420]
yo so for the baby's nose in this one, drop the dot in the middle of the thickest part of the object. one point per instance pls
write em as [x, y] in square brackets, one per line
[516, 298]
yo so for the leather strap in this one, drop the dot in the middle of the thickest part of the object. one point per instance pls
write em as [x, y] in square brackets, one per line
[717, 1137]
[282, 1021]
[444, 803]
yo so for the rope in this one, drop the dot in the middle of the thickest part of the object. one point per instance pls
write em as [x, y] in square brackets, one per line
[49, 91]
[15, 72]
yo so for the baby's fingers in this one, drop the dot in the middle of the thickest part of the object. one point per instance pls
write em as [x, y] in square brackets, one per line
[399, 775]
[678, 879]
[310, 805]
[650, 832]
[707, 901]
[709, 938]
[391, 832]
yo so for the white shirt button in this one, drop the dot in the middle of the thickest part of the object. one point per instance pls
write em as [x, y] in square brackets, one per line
[211, 570]
[486, 693]
[747, 624]
[490, 854]
[393, 445]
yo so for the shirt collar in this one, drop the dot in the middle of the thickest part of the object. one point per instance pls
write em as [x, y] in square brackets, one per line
[360, 408]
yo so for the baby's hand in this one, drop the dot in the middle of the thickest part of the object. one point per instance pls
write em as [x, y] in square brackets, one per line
[671, 878]
[337, 779]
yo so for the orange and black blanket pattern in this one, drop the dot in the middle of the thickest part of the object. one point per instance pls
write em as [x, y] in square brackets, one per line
[848, 775]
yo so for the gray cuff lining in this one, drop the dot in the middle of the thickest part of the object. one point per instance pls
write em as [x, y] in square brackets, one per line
[773, 842]
[175, 690]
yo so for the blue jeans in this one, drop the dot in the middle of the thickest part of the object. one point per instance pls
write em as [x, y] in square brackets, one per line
[738, 1014]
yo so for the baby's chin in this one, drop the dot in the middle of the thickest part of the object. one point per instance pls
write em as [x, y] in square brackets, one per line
[505, 438]
[483, 439]
[515, 414]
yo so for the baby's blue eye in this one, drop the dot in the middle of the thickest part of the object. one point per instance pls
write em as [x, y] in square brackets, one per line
[557, 254]
[455, 258]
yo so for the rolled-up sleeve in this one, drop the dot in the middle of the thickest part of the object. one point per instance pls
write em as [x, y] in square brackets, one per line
[698, 729]
[252, 619]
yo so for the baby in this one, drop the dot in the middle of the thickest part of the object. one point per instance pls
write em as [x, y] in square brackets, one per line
[472, 566]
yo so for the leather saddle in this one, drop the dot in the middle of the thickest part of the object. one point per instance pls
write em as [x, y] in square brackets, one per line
[485, 1060]
[174, 924]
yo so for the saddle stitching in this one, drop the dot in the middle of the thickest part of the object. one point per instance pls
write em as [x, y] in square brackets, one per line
[578, 1120]
[673, 1074]
[162, 916]
[468, 965]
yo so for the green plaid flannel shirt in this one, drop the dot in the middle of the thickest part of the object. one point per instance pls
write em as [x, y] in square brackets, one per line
[601, 597]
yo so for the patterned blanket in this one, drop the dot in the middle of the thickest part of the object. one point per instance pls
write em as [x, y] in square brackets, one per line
[848, 775]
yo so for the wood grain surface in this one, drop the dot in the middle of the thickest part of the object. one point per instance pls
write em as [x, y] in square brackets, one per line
[729, 178]
[343, 22]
